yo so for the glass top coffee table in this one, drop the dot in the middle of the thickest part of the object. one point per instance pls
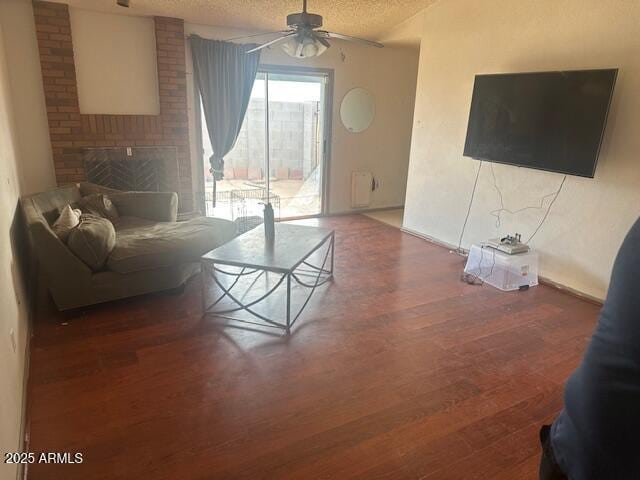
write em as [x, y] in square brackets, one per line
[300, 256]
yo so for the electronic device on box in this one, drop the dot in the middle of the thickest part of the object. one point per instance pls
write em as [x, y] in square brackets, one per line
[511, 245]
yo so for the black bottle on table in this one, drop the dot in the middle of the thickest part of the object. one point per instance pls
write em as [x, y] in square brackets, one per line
[269, 227]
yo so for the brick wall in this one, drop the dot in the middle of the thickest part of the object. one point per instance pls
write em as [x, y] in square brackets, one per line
[70, 131]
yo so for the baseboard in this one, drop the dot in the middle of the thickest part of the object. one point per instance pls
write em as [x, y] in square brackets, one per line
[24, 423]
[571, 291]
[433, 240]
[357, 211]
[34, 292]
[543, 280]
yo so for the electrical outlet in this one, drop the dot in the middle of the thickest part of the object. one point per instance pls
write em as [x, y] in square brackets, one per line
[129, 152]
[12, 334]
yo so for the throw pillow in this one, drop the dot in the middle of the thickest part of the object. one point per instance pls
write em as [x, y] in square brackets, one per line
[67, 221]
[92, 240]
[100, 205]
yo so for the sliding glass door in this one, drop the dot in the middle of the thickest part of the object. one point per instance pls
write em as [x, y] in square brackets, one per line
[281, 152]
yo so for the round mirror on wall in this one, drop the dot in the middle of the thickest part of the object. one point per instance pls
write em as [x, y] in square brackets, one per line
[357, 110]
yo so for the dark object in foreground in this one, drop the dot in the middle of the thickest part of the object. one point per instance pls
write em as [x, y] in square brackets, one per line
[596, 434]
[549, 468]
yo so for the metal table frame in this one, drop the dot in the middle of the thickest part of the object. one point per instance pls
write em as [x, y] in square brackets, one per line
[319, 276]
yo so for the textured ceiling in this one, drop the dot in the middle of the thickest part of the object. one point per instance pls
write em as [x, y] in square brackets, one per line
[365, 18]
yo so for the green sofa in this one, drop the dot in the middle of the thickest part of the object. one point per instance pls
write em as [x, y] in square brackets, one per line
[153, 251]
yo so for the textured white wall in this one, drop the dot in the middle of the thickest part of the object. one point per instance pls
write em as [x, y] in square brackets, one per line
[25, 87]
[407, 33]
[588, 222]
[115, 57]
[14, 316]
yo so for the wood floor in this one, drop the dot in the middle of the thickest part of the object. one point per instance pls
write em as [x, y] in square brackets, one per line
[396, 371]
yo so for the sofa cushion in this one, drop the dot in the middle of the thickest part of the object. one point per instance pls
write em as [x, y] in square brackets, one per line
[100, 205]
[127, 223]
[141, 245]
[156, 206]
[92, 240]
[68, 220]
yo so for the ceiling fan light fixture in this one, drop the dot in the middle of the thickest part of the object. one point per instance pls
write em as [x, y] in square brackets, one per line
[305, 46]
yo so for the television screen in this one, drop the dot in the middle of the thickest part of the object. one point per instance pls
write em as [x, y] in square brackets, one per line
[549, 120]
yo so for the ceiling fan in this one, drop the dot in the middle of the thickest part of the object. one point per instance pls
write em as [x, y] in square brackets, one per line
[304, 39]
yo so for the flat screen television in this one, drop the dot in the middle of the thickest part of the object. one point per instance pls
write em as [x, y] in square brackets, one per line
[550, 121]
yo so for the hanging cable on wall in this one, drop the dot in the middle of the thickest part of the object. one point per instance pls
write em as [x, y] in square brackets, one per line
[466, 219]
[546, 214]
[497, 213]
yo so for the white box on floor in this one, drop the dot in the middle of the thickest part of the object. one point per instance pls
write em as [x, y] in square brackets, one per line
[501, 270]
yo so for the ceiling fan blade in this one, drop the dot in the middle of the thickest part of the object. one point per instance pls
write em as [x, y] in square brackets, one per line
[321, 39]
[348, 38]
[272, 42]
[263, 34]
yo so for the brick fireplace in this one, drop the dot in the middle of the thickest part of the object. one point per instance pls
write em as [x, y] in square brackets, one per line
[72, 132]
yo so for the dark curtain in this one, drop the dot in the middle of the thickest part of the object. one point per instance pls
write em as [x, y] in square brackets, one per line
[224, 74]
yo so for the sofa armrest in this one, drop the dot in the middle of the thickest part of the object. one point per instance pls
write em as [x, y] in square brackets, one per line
[56, 259]
[64, 270]
[157, 206]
